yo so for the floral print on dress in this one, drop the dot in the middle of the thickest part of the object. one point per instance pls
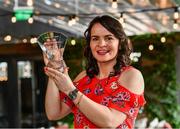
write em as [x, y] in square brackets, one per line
[131, 111]
[114, 86]
[110, 94]
[120, 98]
[123, 126]
[105, 100]
[78, 117]
[86, 91]
[98, 89]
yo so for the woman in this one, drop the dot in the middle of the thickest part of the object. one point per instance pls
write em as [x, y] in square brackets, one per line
[110, 92]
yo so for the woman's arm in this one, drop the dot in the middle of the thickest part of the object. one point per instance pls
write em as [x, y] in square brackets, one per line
[54, 107]
[100, 115]
[103, 116]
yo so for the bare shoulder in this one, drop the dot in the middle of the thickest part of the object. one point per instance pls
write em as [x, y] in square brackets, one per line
[132, 79]
[80, 76]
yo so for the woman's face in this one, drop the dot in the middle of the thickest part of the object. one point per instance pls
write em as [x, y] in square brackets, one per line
[104, 45]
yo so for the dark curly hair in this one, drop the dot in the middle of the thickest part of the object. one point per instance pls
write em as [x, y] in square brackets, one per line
[125, 47]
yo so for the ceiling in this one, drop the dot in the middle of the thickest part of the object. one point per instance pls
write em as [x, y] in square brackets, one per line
[141, 16]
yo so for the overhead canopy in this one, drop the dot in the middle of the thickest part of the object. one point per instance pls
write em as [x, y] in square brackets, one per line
[140, 16]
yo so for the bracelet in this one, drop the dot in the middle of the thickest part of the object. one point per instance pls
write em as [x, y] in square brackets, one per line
[79, 100]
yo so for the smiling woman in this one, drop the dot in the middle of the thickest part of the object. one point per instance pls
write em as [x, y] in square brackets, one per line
[110, 88]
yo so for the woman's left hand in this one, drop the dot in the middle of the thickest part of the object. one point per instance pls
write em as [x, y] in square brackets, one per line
[62, 80]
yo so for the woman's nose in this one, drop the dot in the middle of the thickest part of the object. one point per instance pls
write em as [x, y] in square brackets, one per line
[102, 42]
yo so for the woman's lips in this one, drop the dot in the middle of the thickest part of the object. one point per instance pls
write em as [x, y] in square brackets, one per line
[102, 52]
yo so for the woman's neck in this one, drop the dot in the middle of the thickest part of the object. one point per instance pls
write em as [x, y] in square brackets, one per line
[105, 69]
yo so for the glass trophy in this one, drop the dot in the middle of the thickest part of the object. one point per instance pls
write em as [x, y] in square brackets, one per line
[53, 45]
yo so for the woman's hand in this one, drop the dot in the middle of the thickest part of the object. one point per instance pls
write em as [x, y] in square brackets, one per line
[62, 80]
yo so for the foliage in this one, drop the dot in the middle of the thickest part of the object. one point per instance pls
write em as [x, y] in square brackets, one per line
[160, 79]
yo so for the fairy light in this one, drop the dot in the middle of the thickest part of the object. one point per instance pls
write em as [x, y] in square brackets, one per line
[33, 40]
[134, 56]
[73, 42]
[114, 4]
[121, 19]
[50, 21]
[70, 22]
[57, 5]
[30, 20]
[7, 38]
[7, 2]
[176, 13]
[175, 25]
[13, 19]
[73, 19]
[151, 47]
[163, 39]
[29, 2]
[24, 40]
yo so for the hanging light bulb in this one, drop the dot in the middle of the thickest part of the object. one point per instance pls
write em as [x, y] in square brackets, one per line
[29, 2]
[151, 47]
[70, 23]
[73, 42]
[163, 39]
[24, 40]
[7, 38]
[13, 19]
[73, 19]
[121, 19]
[114, 4]
[175, 25]
[57, 5]
[176, 13]
[30, 20]
[50, 21]
[33, 40]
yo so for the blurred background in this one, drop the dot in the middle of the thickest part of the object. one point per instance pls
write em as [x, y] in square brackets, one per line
[151, 25]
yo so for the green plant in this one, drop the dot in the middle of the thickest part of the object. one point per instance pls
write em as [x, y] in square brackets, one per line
[160, 78]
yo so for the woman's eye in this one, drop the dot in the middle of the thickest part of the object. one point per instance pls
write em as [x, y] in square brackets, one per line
[109, 38]
[94, 39]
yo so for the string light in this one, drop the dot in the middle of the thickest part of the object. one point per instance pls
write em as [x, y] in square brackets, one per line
[13, 19]
[175, 25]
[50, 21]
[29, 2]
[24, 40]
[176, 13]
[57, 5]
[72, 20]
[151, 47]
[7, 38]
[73, 42]
[134, 56]
[163, 39]
[114, 4]
[121, 20]
[33, 40]
[30, 20]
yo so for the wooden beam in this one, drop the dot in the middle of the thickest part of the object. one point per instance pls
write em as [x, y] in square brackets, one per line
[20, 50]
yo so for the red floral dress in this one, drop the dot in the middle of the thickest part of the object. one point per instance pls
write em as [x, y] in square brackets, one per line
[110, 93]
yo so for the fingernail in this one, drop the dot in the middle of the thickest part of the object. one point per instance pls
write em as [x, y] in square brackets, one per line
[45, 69]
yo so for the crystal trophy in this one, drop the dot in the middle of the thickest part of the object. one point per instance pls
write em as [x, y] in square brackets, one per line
[53, 45]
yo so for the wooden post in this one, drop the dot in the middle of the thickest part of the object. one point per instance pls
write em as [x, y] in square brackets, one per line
[13, 96]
